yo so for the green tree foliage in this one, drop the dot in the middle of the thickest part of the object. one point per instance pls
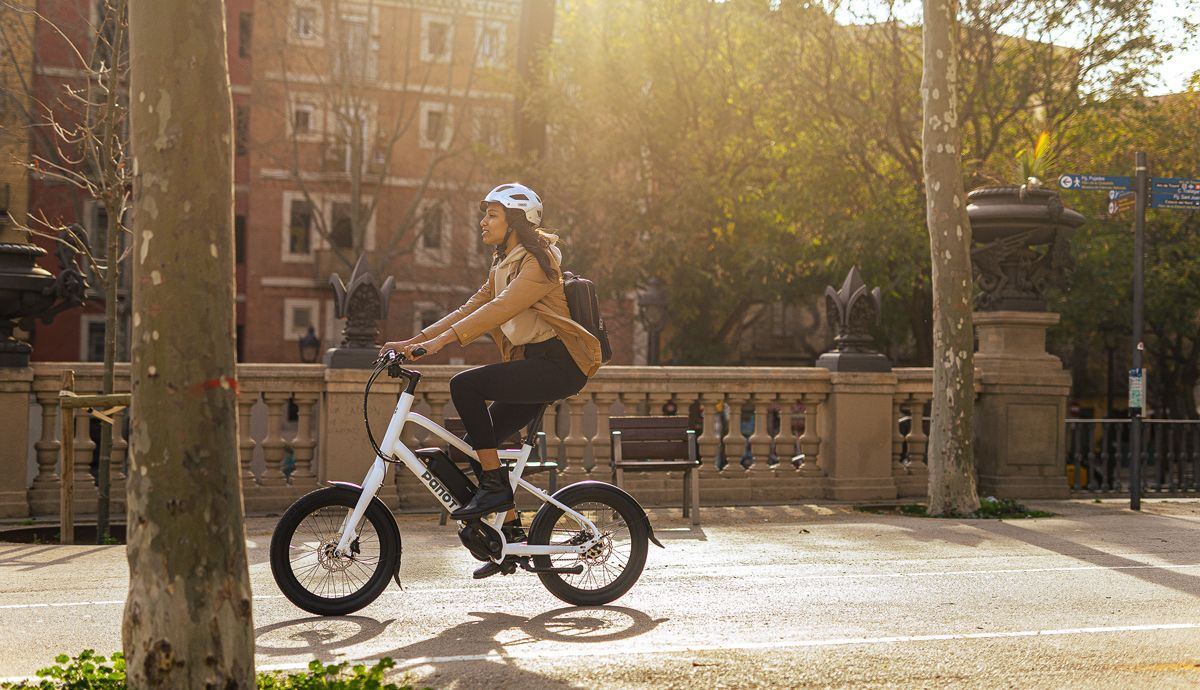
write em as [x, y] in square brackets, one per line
[749, 151]
[1102, 284]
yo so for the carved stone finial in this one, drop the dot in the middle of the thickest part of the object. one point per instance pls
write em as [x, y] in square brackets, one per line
[852, 311]
[362, 304]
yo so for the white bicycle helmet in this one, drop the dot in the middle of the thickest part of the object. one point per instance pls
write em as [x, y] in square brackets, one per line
[518, 196]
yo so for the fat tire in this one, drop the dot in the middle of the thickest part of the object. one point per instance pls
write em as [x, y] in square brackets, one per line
[542, 527]
[380, 519]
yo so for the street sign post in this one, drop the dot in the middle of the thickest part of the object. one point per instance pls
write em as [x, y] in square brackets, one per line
[1138, 192]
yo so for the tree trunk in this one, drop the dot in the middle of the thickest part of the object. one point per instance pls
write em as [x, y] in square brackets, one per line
[187, 621]
[951, 453]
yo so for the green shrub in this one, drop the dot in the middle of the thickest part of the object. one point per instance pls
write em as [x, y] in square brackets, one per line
[90, 671]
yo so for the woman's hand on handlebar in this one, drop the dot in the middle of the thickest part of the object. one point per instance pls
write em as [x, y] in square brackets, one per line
[400, 346]
[418, 350]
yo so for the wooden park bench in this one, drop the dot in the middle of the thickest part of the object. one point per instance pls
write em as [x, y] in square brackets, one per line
[658, 444]
[538, 460]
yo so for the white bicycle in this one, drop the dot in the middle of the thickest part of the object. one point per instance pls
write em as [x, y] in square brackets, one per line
[335, 549]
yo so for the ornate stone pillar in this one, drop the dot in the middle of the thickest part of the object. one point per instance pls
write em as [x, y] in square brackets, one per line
[1020, 427]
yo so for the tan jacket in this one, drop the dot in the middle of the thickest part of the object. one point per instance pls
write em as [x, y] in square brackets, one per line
[529, 288]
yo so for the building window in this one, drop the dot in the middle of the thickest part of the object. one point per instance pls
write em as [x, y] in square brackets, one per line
[488, 128]
[305, 25]
[239, 335]
[300, 222]
[96, 226]
[425, 314]
[437, 38]
[241, 129]
[432, 241]
[431, 227]
[302, 119]
[245, 28]
[341, 234]
[298, 315]
[92, 332]
[239, 239]
[436, 128]
[480, 254]
[489, 49]
[357, 58]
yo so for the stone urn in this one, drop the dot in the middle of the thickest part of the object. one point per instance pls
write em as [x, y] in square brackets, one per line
[28, 291]
[1021, 245]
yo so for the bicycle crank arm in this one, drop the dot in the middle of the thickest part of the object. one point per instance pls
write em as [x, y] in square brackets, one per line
[573, 570]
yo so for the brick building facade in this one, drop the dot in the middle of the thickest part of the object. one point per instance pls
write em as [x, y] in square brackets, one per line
[405, 109]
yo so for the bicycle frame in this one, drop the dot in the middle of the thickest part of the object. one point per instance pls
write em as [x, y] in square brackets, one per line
[393, 447]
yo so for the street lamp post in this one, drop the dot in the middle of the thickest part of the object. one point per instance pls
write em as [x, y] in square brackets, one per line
[652, 310]
[310, 346]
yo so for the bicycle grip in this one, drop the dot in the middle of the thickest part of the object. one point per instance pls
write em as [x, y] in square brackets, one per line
[419, 352]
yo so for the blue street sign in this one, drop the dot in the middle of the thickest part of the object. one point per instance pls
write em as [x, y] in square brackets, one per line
[1191, 201]
[1175, 184]
[1118, 194]
[1100, 183]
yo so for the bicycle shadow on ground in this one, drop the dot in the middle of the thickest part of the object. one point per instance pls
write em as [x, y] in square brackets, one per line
[486, 652]
[317, 635]
[478, 653]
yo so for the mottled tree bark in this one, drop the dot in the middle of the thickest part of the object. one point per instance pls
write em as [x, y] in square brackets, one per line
[188, 617]
[951, 436]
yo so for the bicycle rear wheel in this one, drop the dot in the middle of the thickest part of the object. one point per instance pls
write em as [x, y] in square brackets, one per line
[305, 567]
[610, 567]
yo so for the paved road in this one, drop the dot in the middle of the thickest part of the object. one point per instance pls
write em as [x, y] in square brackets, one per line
[783, 596]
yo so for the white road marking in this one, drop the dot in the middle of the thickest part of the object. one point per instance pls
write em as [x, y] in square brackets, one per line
[573, 653]
[677, 571]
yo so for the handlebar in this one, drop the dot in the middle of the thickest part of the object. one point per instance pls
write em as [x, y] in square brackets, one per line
[393, 360]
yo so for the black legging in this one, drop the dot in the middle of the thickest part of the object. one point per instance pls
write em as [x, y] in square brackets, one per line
[517, 389]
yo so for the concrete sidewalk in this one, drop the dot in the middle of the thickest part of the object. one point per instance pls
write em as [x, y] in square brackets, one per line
[810, 595]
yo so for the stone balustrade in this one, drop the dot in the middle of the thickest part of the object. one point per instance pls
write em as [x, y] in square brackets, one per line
[277, 406]
[766, 434]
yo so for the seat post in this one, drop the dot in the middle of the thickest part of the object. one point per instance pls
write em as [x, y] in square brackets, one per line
[535, 425]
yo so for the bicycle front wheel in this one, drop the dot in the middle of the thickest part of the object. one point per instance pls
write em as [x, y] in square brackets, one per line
[610, 567]
[302, 553]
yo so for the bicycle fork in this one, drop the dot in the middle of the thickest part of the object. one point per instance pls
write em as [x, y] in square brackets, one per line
[374, 478]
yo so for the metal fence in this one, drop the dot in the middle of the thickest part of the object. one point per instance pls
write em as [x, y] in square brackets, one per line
[1099, 454]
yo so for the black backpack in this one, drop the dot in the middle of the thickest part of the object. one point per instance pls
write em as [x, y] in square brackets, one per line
[585, 310]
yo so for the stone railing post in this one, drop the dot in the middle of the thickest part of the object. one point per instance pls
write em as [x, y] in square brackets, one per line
[575, 441]
[246, 443]
[86, 493]
[810, 440]
[43, 495]
[1020, 427]
[304, 444]
[16, 385]
[760, 440]
[856, 427]
[273, 445]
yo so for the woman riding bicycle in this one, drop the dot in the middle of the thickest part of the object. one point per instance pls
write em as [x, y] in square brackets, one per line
[545, 356]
